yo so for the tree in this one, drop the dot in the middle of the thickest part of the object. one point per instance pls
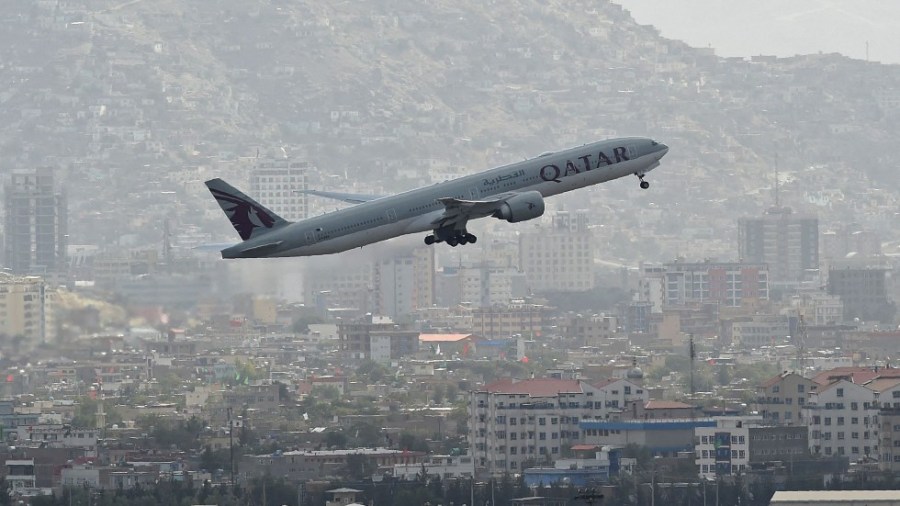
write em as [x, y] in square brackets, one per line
[437, 394]
[411, 442]
[366, 435]
[301, 324]
[335, 440]
[372, 372]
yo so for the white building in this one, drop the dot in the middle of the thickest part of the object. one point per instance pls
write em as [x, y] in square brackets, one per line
[80, 475]
[404, 283]
[380, 348]
[516, 424]
[277, 182]
[615, 394]
[725, 448]
[443, 466]
[560, 257]
[60, 436]
[485, 286]
[843, 420]
[819, 308]
[26, 309]
[759, 330]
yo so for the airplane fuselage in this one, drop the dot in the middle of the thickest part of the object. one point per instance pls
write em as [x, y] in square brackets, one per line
[417, 210]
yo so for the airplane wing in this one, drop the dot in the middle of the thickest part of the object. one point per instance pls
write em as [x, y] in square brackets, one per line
[458, 211]
[353, 198]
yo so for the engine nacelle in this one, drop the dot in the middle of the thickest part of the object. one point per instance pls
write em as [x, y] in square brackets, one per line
[521, 207]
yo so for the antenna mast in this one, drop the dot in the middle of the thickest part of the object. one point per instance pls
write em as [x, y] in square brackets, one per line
[800, 343]
[777, 197]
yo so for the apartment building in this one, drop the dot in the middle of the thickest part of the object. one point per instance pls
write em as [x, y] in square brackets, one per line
[561, 257]
[781, 400]
[843, 420]
[516, 424]
[26, 309]
[278, 183]
[736, 442]
[788, 243]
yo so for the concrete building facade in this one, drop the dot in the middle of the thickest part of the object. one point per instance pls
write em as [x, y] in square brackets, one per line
[788, 243]
[26, 309]
[36, 231]
[561, 257]
[278, 184]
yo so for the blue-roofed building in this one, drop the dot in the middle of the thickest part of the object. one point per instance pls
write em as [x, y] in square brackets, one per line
[591, 466]
[663, 437]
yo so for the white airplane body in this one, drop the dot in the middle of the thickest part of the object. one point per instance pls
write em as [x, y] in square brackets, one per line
[512, 192]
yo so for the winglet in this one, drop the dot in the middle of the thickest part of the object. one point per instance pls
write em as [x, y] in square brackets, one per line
[250, 218]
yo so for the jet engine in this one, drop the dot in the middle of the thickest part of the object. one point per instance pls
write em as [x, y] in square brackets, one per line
[521, 207]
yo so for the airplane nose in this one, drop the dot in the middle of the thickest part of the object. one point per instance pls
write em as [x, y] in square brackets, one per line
[663, 149]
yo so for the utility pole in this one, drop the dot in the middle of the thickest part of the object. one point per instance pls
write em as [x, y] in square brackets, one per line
[717, 491]
[231, 448]
[692, 354]
[800, 344]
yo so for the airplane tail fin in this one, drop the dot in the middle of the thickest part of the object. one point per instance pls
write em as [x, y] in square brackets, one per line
[250, 218]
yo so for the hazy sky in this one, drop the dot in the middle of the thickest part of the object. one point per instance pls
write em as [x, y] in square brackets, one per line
[778, 27]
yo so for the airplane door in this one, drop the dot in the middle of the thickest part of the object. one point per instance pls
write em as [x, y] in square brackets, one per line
[632, 153]
[474, 193]
[315, 236]
[391, 215]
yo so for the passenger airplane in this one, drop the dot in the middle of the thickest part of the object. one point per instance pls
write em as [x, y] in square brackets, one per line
[512, 192]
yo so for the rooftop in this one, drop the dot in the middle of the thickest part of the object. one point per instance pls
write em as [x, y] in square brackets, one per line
[443, 338]
[830, 496]
[535, 387]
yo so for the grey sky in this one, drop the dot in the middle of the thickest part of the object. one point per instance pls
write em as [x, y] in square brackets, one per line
[778, 27]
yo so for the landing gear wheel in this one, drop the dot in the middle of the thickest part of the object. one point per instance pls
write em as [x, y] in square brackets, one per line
[471, 239]
[452, 242]
[645, 185]
[462, 240]
[429, 240]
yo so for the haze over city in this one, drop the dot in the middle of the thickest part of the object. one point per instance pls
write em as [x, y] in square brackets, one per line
[782, 29]
[707, 312]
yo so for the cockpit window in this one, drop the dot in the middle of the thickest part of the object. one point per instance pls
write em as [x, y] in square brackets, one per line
[654, 143]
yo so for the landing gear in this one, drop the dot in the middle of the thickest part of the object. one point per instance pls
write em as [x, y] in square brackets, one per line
[452, 237]
[644, 184]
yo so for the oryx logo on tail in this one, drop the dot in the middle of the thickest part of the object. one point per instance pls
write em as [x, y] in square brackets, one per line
[248, 217]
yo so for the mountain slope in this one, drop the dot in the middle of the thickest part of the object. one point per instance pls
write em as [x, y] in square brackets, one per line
[134, 93]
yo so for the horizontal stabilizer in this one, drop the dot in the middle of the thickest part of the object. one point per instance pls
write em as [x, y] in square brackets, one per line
[216, 246]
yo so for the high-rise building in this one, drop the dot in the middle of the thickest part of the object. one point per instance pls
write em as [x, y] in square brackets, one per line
[843, 420]
[404, 283]
[376, 338]
[780, 400]
[730, 284]
[480, 286]
[559, 258]
[863, 290]
[787, 242]
[274, 182]
[26, 310]
[350, 287]
[517, 424]
[36, 225]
